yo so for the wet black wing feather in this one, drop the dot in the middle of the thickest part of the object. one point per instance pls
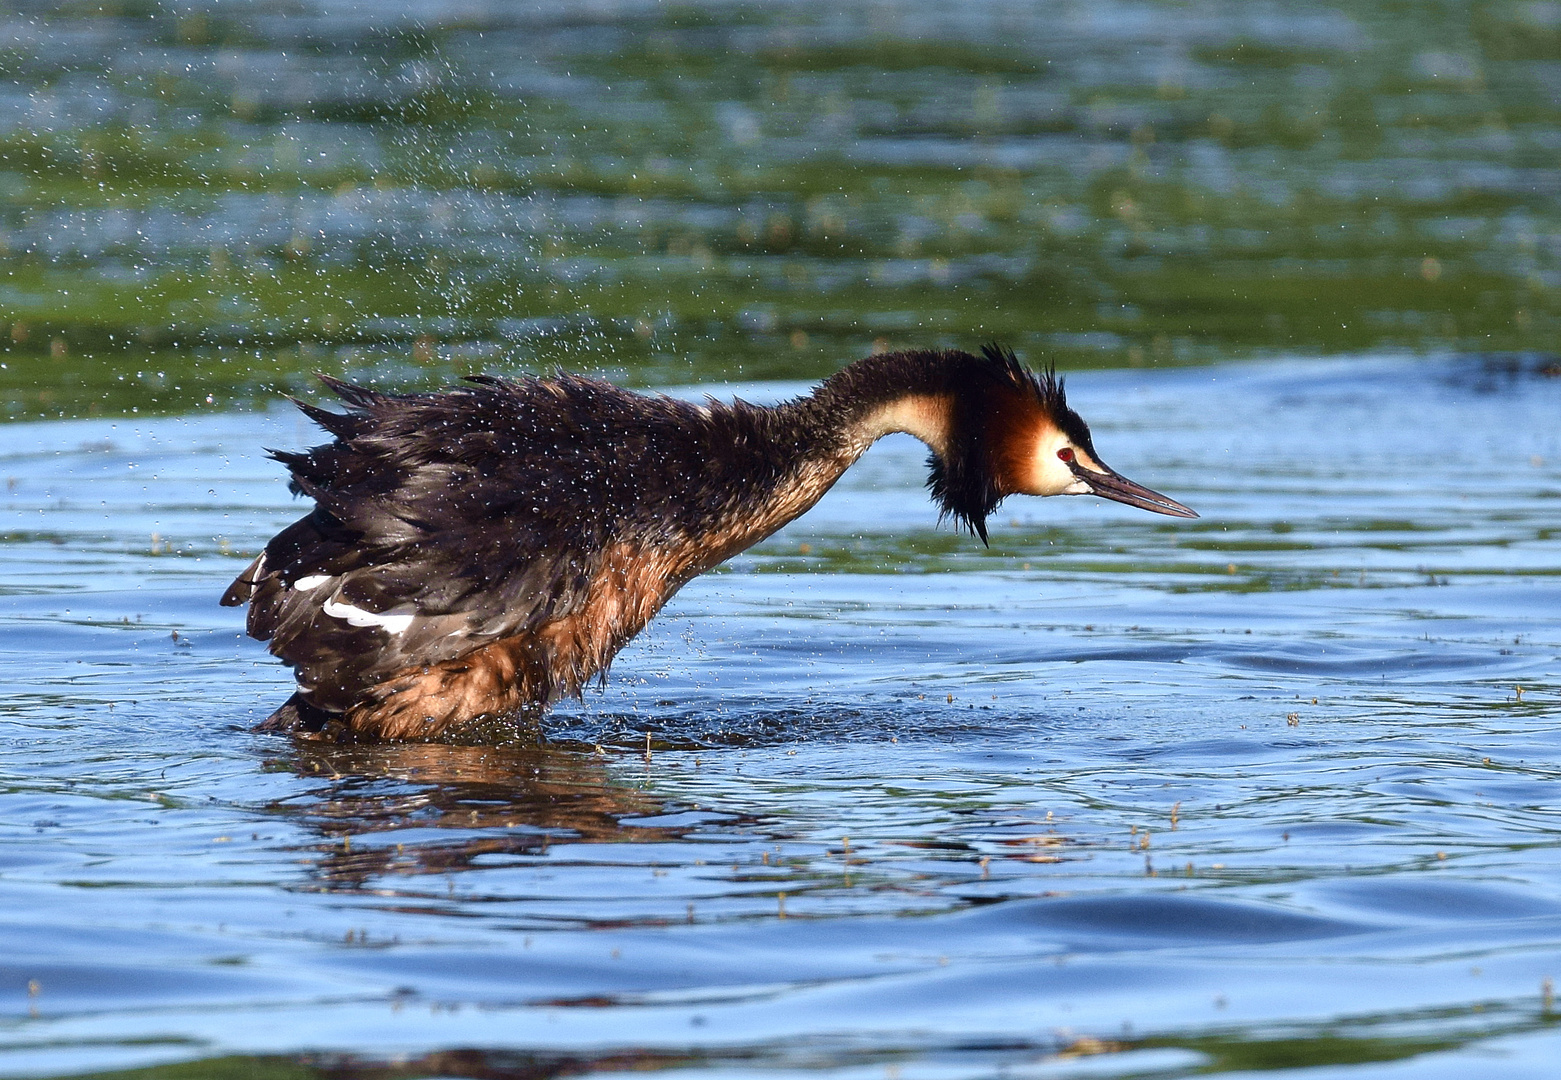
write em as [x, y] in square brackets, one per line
[482, 511]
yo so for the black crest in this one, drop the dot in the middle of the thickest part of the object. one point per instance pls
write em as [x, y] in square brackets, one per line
[965, 484]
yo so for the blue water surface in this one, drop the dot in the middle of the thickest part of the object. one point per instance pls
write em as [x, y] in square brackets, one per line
[1119, 795]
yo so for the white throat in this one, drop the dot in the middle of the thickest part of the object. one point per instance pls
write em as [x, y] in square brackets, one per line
[923, 415]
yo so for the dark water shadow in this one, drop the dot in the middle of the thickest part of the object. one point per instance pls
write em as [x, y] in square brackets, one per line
[1499, 372]
[1184, 920]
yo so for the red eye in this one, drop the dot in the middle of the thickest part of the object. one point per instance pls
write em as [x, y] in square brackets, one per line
[1066, 453]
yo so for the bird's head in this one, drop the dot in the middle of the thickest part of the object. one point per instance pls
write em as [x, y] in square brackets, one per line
[1011, 432]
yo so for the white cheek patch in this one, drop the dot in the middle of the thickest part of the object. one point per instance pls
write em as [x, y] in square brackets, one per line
[356, 616]
[1051, 475]
[313, 581]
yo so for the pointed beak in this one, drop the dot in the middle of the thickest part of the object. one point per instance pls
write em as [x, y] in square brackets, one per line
[1117, 488]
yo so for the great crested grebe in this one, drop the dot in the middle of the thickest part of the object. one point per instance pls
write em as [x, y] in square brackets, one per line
[480, 552]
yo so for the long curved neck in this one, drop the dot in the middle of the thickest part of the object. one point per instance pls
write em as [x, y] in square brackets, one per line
[795, 451]
[911, 392]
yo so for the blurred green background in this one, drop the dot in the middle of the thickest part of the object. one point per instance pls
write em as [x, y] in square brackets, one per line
[200, 203]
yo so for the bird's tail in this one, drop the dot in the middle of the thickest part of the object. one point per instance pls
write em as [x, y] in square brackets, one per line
[297, 715]
[243, 586]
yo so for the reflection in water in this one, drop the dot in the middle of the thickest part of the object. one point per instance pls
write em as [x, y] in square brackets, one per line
[390, 814]
[501, 800]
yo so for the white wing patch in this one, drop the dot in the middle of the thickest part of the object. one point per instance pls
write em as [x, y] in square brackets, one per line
[313, 581]
[356, 616]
